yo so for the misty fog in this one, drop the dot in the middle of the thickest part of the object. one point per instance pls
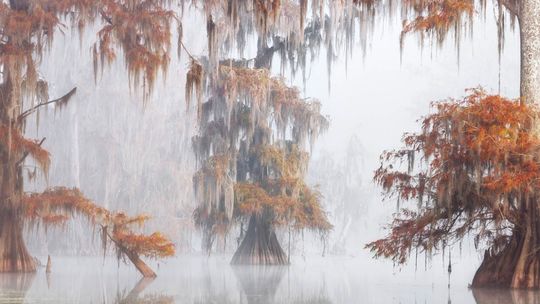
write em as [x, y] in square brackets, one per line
[136, 156]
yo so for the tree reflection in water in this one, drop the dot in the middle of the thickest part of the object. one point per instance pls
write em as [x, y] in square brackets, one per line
[266, 285]
[505, 296]
[14, 286]
[259, 283]
[202, 280]
[134, 296]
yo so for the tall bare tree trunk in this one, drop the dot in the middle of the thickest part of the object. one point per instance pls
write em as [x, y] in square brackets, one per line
[518, 265]
[529, 27]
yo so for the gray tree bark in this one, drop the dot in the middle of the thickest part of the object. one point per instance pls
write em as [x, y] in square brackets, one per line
[529, 27]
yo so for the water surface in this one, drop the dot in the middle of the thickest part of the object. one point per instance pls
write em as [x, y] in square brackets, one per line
[194, 279]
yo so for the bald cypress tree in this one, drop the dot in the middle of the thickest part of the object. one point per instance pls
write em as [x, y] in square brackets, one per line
[253, 163]
[140, 30]
[480, 156]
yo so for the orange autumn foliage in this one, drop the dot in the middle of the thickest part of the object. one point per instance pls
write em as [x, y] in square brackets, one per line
[479, 161]
[142, 30]
[302, 211]
[283, 194]
[438, 17]
[251, 151]
[11, 138]
[57, 205]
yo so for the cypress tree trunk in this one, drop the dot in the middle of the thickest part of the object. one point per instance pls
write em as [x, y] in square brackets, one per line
[14, 256]
[141, 266]
[529, 28]
[260, 246]
[518, 265]
[134, 257]
[527, 271]
[497, 270]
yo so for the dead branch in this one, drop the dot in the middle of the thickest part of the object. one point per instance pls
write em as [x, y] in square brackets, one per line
[62, 100]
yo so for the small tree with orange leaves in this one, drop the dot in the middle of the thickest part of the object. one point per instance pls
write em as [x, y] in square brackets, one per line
[476, 175]
[141, 31]
[57, 205]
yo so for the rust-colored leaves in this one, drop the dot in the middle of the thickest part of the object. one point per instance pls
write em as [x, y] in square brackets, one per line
[57, 205]
[476, 162]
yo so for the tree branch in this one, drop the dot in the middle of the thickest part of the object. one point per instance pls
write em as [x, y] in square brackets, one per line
[61, 100]
[20, 161]
[186, 50]
[105, 17]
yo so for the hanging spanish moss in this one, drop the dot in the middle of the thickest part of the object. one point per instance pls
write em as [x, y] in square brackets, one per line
[479, 181]
[141, 31]
[250, 150]
[255, 130]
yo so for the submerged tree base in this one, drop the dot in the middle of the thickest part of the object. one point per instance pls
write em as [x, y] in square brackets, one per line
[516, 266]
[260, 246]
[141, 266]
[14, 256]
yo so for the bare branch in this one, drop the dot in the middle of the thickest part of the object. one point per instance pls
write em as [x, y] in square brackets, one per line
[62, 100]
[186, 50]
[105, 17]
